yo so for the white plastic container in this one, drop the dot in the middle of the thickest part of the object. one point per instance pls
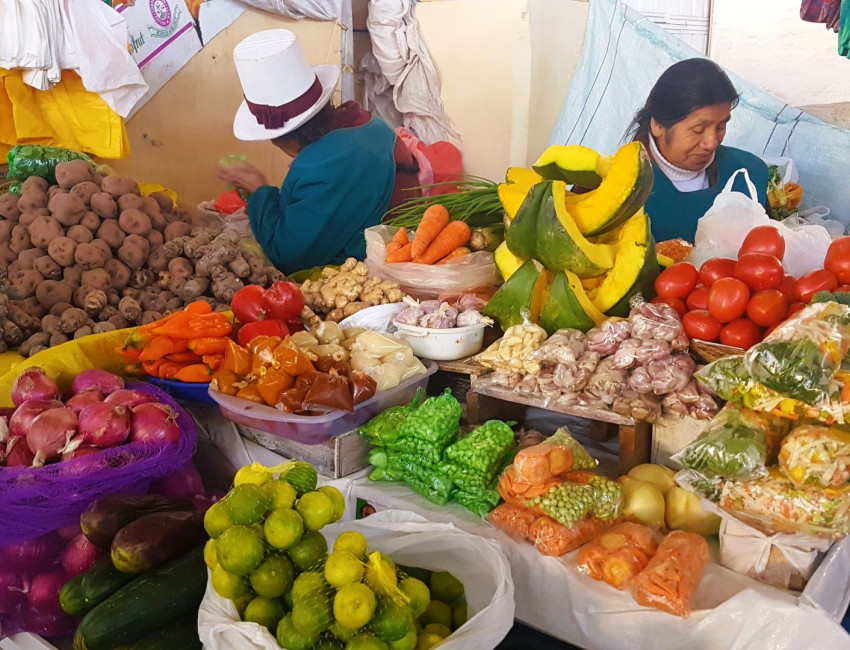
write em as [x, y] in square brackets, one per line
[448, 344]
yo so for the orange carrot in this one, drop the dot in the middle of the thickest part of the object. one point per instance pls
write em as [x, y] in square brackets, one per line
[401, 255]
[454, 235]
[456, 254]
[393, 247]
[198, 373]
[435, 219]
[400, 237]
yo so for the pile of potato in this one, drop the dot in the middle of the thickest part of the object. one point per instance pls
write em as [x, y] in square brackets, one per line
[90, 255]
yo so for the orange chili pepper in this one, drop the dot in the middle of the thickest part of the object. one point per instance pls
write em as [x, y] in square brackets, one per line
[183, 357]
[130, 354]
[150, 327]
[132, 369]
[152, 367]
[169, 369]
[198, 307]
[209, 345]
[292, 361]
[272, 384]
[197, 373]
[223, 381]
[160, 346]
[195, 326]
[236, 359]
[138, 338]
[251, 394]
[213, 361]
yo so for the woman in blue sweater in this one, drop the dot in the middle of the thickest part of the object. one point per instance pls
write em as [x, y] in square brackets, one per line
[344, 169]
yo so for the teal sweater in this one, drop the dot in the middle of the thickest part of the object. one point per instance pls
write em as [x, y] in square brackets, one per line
[336, 188]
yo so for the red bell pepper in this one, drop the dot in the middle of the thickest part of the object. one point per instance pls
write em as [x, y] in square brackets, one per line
[269, 327]
[283, 301]
[247, 304]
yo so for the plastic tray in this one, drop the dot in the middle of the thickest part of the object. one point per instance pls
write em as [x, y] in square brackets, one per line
[187, 392]
[314, 430]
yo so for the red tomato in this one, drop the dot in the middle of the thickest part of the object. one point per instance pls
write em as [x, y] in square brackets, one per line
[699, 324]
[759, 271]
[764, 239]
[838, 259]
[767, 307]
[698, 298]
[261, 328]
[727, 299]
[844, 288]
[788, 287]
[283, 301]
[819, 280]
[677, 281]
[716, 268]
[677, 305]
[793, 308]
[741, 333]
[247, 304]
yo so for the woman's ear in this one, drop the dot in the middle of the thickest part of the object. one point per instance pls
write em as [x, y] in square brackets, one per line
[656, 129]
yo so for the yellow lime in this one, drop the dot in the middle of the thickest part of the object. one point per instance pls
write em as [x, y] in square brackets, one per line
[353, 542]
[253, 473]
[354, 606]
[312, 614]
[445, 587]
[281, 494]
[310, 552]
[428, 641]
[330, 644]
[308, 583]
[265, 612]
[216, 519]
[337, 500]
[247, 503]
[459, 614]
[240, 550]
[418, 595]
[273, 577]
[366, 642]
[437, 612]
[392, 620]
[290, 638]
[283, 528]
[316, 509]
[341, 632]
[209, 554]
[437, 628]
[407, 642]
[228, 585]
[342, 568]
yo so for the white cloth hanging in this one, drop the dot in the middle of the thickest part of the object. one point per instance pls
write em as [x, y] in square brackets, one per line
[300, 9]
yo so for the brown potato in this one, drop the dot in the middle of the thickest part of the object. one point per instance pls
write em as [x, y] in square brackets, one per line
[91, 221]
[111, 233]
[73, 274]
[9, 207]
[165, 202]
[44, 230]
[6, 255]
[32, 308]
[85, 191]
[134, 251]
[48, 268]
[24, 283]
[27, 218]
[53, 191]
[89, 256]
[61, 250]
[180, 267]
[117, 186]
[130, 202]
[67, 209]
[52, 292]
[80, 234]
[104, 205]
[157, 260]
[134, 222]
[103, 246]
[177, 229]
[73, 172]
[118, 272]
[35, 183]
[97, 279]
[29, 256]
[60, 307]
[155, 238]
[20, 239]
[6, 228]
[32, 200]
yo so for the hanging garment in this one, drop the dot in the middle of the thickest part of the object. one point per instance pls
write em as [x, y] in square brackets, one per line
[844, 29]
[821, 11]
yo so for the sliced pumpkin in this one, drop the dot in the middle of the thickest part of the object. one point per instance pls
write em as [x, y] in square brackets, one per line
[634, 271]
[573, 164]
[521, 234]
[560, 244]
[518, 181]
[568, 306]
[520, 297]
[623, 191]
[506, 262]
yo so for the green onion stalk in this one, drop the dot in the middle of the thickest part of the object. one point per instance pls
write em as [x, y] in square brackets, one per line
[476, 202]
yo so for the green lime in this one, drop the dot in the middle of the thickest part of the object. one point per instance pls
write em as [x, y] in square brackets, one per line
[287, 600]
[330, 644]
[418, 595]
[210, 558]
[352, 541]
[310, 552]
[316, 509]
[420, 574]
[459, 614]
[437, 612]
[241, 603]
[265, 612]
[392, 620]
[342, 568]
[283, 528]
[445, 587]
[273, 577]
[247, 503]
[437, 628]
[216, 519]
[428, 641]
[307, 584]
[407, 642]
[341, 632]
[228, 585]
[302, 476]
[337, 500]
[281, 494]
[366, 641]
[312, 614]
[290, 638]
[354, 605]
[240, 550]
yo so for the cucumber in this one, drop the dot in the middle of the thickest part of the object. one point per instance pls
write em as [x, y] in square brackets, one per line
[101, 581]
[181, 634]
[149, 602]
[71, 598]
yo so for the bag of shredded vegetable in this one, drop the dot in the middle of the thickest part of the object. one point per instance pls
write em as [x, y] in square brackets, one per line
[816, 455]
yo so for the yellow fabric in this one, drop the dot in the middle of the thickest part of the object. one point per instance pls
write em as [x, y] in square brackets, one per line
[149, 188]
[66, 116]
[9, 360]
[64, 362]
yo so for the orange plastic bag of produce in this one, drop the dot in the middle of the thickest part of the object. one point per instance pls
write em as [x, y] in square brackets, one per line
[619, 554]
[672, 575]
[518, 492]
[551, 538]
[514, 520]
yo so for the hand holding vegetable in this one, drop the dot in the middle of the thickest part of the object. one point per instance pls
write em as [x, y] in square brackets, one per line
[244, 176]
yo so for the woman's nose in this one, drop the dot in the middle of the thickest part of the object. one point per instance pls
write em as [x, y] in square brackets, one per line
[710, 141]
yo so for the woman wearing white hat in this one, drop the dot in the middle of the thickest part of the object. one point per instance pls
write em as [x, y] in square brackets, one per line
[342, 176]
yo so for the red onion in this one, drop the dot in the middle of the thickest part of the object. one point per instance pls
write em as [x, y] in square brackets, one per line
[48, 624]
[184, 483]
[22, 419]
[69, 532]
[79, 556]
[104, 425]
[83, 399]
[18, 453]
[44, 591]
[50, 433]
[33, 383]
[12, 591]
[154, 422]
[104, 381]
[79, 452]
[129, 398]
[31, 555]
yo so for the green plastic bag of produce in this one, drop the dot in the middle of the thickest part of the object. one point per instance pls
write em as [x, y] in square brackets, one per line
[427, 453]
[482, 449]
[27, 160]
[435, 421]
[480, 501]
[385, 427]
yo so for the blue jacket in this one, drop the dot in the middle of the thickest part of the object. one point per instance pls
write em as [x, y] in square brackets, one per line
[674, 214]
[336, 188]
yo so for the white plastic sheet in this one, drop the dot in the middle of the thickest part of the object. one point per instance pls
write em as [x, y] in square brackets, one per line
[300, 9]
[623, 56]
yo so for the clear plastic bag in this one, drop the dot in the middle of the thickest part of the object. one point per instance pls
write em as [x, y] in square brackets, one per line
[474, 273]
[483, 448]
[559, 454]
[618, 554]
[514, 352]
[436, 421]
[27, 160]
[581, 494]
[554, 539]
[817, 455]
[673, 574]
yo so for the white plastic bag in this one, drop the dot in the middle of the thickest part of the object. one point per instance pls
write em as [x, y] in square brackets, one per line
[475, 273]
[300, 9]
[410, 540]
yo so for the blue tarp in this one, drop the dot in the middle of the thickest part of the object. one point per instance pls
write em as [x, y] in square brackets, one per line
[624, 53]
